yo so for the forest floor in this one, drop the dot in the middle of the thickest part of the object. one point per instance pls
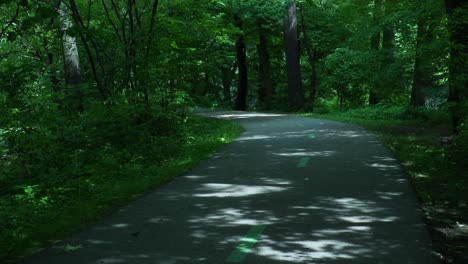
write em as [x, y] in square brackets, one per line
[425, 147]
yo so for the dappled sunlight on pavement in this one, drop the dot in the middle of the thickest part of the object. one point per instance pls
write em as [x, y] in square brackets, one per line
[318, 191]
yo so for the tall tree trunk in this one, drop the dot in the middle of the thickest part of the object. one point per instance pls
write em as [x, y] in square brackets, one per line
[375, 46]
[241, 52]
[226, 76]
[132, 48]
[149, 43]
[295, 90]
[312, 61]
[52, 66]
[422, 70]
[94, 62]
[391, 79]
[71, 58]
[265, 90]
[458, 81]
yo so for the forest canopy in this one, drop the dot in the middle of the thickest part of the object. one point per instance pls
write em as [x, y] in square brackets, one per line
[285, 55]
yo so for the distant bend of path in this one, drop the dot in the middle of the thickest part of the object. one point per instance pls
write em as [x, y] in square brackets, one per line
[288, 190]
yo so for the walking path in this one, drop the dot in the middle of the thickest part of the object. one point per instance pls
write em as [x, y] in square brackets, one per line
[288, 190]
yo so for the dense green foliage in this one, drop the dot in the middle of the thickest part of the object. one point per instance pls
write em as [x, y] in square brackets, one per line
[103, 171]
[93, 92]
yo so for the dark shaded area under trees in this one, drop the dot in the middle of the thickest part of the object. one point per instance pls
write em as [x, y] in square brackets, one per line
[82, 78]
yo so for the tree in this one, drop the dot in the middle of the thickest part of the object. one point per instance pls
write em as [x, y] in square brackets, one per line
[375, 46]
[71, 60]
[458, 81]
[265, 89]
[423, 71]
[311, 58]
[391, 74]
[241, 53]
[295, 89]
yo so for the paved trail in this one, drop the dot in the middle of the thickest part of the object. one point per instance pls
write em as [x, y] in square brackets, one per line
[288, 190]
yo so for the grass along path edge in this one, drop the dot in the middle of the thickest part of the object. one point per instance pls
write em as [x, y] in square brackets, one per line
[90, 199]
[424, 149]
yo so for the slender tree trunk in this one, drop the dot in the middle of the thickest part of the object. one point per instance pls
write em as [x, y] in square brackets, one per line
[52, 67]
[312, 61]
[154, 12]
[206, 84]
[375, 46]
[458, 81]
[226, 76]
[149, 44]
[295, 90]
[265, 90]
[132, 48]
[422, 72]
[241, 100]
[71, 58]
[94, 62]
[391, 79]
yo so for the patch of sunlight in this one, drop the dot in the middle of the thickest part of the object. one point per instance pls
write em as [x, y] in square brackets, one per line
[349, 134]
[294, 150]
[254, 138]
[245, 115]
[338, 133]
[343, 206]
[122, 225]
[420, 175]
[247, 222]
[195, 177]
[360, 228]
[319, 249]
[367, 219]
[275, 181]
[381, 166]
[328, 232]
[307, 207]
[348, 230]
[357, 205]
[306, 154]
[388, 195]
[72, 248]
[408, 163]
[384, 158]
[97, 242]
[322, 247]
[235, 217]
[199, 234]
[220, 190]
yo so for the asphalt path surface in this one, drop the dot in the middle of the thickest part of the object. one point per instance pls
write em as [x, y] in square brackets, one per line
[288, 190]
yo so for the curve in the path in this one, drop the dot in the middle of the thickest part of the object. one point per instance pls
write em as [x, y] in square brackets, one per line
[288, 190]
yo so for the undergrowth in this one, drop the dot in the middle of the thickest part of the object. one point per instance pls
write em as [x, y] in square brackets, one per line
[60, 177]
